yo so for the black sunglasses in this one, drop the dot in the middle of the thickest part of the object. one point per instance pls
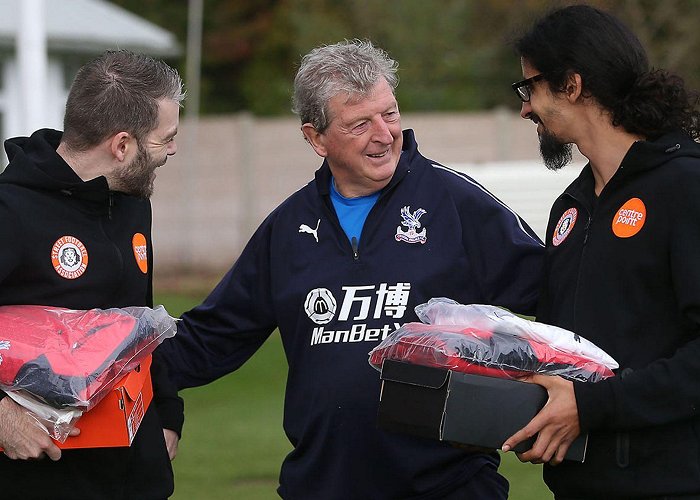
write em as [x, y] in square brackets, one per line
[524, 87]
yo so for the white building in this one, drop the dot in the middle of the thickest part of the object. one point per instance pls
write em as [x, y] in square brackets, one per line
[59, 36]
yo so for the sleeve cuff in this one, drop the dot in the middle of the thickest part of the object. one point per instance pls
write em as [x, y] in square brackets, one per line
[595, 403]
[172, 413]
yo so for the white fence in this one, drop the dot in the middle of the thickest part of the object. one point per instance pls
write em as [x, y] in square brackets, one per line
[525, 186]
[231, 171]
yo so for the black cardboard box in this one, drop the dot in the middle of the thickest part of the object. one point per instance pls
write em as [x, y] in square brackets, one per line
[459, 407]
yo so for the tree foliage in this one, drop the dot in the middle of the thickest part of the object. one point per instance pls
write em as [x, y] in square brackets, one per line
[453, 54]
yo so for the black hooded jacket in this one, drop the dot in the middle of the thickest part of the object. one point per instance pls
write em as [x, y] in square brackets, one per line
[623, 270]
[70, 243]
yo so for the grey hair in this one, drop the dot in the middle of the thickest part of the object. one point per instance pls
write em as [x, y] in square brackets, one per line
[351, 66]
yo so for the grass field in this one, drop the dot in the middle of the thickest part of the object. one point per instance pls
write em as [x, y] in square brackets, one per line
[233, 443]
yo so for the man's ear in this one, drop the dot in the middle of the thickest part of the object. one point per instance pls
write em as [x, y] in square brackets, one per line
[121, 144]
[574, 87]
[315, 139]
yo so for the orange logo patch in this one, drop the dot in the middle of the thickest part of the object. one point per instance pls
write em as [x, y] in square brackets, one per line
[564, 226]
[138, 243]
[630, 218]
[69, 257]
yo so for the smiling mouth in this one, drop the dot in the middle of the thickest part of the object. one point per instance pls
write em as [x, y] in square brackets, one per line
[378, 155]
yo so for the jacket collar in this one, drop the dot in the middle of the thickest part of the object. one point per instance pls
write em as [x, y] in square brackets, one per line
[642, 156]
[34, 163]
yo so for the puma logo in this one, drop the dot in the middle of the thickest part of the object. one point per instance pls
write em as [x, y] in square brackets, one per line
[306, 229]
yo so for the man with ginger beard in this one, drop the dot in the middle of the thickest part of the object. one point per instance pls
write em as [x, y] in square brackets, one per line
[76, 221]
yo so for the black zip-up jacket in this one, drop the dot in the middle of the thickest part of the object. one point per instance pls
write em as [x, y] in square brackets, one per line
[625, 274]
[48, 216]
[432, 232]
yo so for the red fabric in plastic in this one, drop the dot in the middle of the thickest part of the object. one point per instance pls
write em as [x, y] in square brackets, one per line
[54, 352]
[469, 350]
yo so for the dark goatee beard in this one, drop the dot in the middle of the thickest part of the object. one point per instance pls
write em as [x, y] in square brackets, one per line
[556, 154]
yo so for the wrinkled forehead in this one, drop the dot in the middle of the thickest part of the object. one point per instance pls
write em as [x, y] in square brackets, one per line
[378, 97]
[351, 98]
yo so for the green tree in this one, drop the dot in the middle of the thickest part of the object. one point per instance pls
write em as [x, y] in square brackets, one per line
[453, 54]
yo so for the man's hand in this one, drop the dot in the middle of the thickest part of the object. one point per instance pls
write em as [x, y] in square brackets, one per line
[556, 425]
[22, 436]
[171, 442]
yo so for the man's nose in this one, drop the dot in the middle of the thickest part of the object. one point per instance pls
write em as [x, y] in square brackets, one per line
[381, 132]
[525, 110]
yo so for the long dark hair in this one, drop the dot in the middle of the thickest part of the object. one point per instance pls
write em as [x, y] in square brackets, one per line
[614, 69]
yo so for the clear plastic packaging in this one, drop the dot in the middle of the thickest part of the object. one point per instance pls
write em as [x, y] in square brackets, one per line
[60, 362]
[57, 422]
[491, 341]
[443, 311]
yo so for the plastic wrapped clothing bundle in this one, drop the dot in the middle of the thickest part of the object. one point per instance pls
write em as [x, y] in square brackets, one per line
[71, 359]
[484, 345]
[443, 311]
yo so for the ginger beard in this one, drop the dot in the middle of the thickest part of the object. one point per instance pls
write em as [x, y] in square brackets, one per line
[138, 177]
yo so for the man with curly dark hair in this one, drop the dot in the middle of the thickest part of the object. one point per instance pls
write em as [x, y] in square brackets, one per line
[622, 266]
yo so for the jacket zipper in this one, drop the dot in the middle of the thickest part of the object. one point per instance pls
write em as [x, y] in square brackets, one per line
[586, 232]
[333, 217]
[589, 219]
[109, 206]
[354, 244]
[622, 438]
